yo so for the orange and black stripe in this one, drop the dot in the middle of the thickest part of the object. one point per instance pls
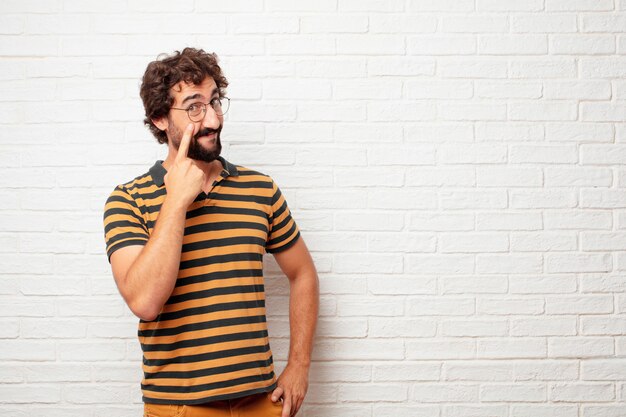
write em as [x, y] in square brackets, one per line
[210, 341]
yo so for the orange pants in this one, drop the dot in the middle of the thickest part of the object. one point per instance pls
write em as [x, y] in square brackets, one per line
[258, 405]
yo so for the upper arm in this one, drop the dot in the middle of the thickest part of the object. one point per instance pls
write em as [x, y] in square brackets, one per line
[121, 261]
[295, 260]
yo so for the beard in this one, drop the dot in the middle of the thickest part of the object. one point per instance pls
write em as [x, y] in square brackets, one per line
[196, 150]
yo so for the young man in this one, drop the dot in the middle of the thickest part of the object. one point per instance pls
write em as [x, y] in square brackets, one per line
[186, 241]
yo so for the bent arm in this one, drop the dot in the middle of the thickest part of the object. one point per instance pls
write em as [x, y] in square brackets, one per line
[146, 275]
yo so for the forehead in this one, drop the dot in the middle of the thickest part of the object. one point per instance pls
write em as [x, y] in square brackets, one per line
[182, 90]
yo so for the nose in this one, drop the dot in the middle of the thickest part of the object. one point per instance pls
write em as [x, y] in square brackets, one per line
[211, 119]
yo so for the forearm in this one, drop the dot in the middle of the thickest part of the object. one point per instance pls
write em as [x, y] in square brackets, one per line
[303, 312]
[152, 277]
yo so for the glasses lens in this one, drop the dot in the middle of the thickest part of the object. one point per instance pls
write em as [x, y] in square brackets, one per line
[224, 104]
[195, 112]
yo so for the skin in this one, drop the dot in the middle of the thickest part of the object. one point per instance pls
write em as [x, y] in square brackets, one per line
[159, 259]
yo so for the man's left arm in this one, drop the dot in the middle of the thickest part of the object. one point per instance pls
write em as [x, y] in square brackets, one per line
[298, 266]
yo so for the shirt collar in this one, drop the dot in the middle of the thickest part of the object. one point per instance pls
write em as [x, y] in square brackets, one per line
[158, 172]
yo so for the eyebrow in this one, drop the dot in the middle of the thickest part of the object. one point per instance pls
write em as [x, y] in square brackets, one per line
[198, 95]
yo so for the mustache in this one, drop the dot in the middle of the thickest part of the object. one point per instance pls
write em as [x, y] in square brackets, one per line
[207, 131]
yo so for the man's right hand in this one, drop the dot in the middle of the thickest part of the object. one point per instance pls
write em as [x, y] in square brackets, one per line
[184, 178]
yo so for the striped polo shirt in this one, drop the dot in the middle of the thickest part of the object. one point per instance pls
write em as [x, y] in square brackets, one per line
[210, 340]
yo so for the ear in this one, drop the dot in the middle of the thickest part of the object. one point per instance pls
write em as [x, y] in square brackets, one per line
[161, 123]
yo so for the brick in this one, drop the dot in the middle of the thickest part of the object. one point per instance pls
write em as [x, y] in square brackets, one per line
[448, 306]
[368, 133]
[440, 348]
[329, 24]
[311, 199]
[473, 200]
[474, 328]
[546, 370]
[508, 131]
[369, 221]
[35, 394]
[472, 242]
[367, 263]
[418, 90]
[517, 348]
[409, 372]
[602, 326]
[475, 285]
[437, 177]
[289, 6]
[543, 68]
[402, 23]
[366, 177]
[582, 44]
[474, 24]
[602, 283]
[602, 198]
[602, 68]
[351, 349]
[508, 221]
[488, 371]
[441, 5]
[369, 44]
[404, 242]
[579, 132]
[554, 198]
[91, 351]
[398, 66]
[342, 111]
[579, 220]
[509, 6]
[445, 393]
[263, 24]
[335, 157]
[510, 263]
[576, 262]
[441, 45]
[402, 285]
[400, 328]
[471, 154]
[53, 329]
[96, 394]
[515, 306]
[440, 264]
[366, 89]
[535, 410]
[512, 45]
[370, 306]
[578, 177]
[402, 155]
[579, 5]
[508, 177]
[498, 89]
[581, 392]
[340, 372]
[370, 6]
[483, 67]
[401, 199]
[518, 392]
[545, 242]
[340, 67]
[543, 23]
[373, 393]
[565, 326]
[580, 347]
[435, 221]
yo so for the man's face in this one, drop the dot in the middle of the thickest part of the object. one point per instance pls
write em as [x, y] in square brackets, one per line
[205, 144]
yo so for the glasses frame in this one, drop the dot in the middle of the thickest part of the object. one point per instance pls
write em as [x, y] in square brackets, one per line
[204, 108]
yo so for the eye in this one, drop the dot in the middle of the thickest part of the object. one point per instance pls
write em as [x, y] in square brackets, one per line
[194, 108]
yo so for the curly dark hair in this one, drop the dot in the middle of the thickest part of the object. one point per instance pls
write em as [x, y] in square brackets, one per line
[191, 66]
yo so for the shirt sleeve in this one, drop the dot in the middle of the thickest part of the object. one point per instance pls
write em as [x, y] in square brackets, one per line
[283, 231]
[124, 224]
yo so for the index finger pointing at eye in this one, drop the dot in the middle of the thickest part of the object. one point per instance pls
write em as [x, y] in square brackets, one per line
[184, 142]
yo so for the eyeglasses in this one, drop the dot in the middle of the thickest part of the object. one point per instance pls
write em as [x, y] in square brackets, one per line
[197, 111]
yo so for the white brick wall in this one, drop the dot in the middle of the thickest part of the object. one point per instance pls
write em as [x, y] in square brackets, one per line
[455, 166]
